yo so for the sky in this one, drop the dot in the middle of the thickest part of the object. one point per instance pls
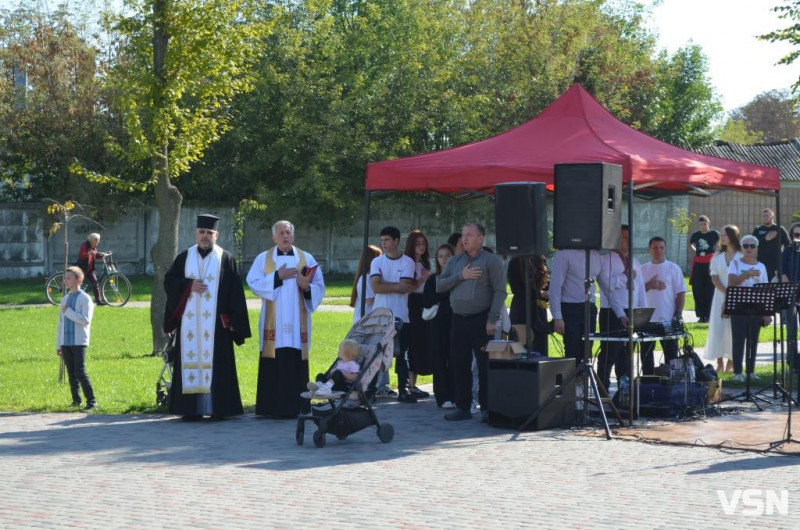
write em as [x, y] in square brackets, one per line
[740, 66]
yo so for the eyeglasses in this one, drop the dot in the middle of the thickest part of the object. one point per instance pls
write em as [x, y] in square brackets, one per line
[749, 245]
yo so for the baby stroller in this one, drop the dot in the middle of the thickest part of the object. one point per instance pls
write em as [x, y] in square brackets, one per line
[164, 382]
[344, 413]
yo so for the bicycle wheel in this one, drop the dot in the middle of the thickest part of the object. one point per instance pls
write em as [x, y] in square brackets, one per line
[54, 288]
[116, 289]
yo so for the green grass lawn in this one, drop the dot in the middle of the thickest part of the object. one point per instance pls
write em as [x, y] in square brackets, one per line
[118, 361]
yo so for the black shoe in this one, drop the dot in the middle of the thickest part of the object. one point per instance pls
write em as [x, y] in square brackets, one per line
[75, 404]
[484, 416]
[417, 393]
[192, 417]
[458, 415]
[90, 406]
[404, 396]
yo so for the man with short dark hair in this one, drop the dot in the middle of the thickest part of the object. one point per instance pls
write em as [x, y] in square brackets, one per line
[663, 281]
[771, 241]
[391, 276]
[206, 307]
[477, 283]
[704, 244]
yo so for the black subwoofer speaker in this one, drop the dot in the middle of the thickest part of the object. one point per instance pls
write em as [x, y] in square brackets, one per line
[587, 206]
[517, 388]
[520, 211]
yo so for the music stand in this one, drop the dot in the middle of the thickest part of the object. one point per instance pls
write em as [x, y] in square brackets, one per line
[792, 368]
[750, 301]
[785, 299]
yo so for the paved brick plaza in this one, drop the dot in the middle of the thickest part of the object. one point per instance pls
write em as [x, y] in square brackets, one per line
[97, 471]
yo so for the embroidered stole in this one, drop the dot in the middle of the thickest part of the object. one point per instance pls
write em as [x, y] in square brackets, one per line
[268, 350]
[199, 322]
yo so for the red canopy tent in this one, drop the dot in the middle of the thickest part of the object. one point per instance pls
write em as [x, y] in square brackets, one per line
[573, 129]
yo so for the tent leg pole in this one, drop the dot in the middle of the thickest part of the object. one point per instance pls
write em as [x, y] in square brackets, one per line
[363, 278]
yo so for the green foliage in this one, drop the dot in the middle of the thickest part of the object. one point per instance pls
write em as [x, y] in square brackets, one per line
[48, 106]
[736, 131]
[686, 102]
[682, 220]
[771, 114]
[173, 90]
[789, 11]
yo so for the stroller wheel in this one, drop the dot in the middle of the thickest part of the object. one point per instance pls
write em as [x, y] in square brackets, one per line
[386, 433]
[319, 439]
[300, 432]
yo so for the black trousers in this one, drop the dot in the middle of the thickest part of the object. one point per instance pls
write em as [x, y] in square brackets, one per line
[611, 353]
[467, 338]
[573, 315]
[401, 345]
[75, 362]
[670, 348]
[702, 290]
[744, 334]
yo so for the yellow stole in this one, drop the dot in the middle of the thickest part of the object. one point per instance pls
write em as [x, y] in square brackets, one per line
[269, 320]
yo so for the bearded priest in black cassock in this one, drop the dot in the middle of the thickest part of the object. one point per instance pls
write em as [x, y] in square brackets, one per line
[207, 308]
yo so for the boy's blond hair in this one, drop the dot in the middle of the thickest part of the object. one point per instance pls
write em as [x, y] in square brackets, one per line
[77, 271]
[348, 350]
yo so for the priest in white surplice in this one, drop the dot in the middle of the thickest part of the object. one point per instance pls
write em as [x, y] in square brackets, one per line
[291, 287]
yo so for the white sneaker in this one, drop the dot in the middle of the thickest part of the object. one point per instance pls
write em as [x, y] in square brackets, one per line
[312, 386]
[739, 378]
[754, 378]
[448, 405]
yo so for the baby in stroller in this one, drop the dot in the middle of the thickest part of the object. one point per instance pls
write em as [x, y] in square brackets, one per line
[343, 373]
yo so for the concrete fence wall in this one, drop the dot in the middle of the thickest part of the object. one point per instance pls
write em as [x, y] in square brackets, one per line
[26, 251]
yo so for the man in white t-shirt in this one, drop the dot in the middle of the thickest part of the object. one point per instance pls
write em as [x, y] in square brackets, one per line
[663, 281]
[391, 276]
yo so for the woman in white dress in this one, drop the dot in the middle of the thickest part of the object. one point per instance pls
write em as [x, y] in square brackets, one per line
[719, 344]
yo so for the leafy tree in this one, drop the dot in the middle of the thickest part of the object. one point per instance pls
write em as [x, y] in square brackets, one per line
[790, 11]
[737, 131]
[48, 106]
[686, 104]
[772, 114]
[178, 66]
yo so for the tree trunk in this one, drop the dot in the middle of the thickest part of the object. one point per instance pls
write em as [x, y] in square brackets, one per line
[168, 201]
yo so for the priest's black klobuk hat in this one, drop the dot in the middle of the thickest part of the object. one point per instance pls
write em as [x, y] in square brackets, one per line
[207, 221]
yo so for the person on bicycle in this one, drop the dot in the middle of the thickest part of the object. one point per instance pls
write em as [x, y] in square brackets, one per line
[87, 255]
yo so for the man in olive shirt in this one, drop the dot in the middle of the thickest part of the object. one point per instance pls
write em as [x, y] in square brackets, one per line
[477, 283]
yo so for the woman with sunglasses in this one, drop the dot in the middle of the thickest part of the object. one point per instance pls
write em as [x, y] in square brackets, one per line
[719, 345]
[746, 272]
[791, 273]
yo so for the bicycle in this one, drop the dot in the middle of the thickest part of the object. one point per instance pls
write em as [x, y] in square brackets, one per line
[115, 288]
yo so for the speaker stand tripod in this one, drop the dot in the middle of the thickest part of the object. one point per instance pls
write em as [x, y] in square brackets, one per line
[793, 369]
[584, 368]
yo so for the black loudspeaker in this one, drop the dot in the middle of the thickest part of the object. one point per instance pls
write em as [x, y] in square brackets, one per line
[516, 388]
[587, 206]
[520, 211]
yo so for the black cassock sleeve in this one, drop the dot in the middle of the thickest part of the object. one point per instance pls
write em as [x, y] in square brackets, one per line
[232, 300]
[177, 286]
